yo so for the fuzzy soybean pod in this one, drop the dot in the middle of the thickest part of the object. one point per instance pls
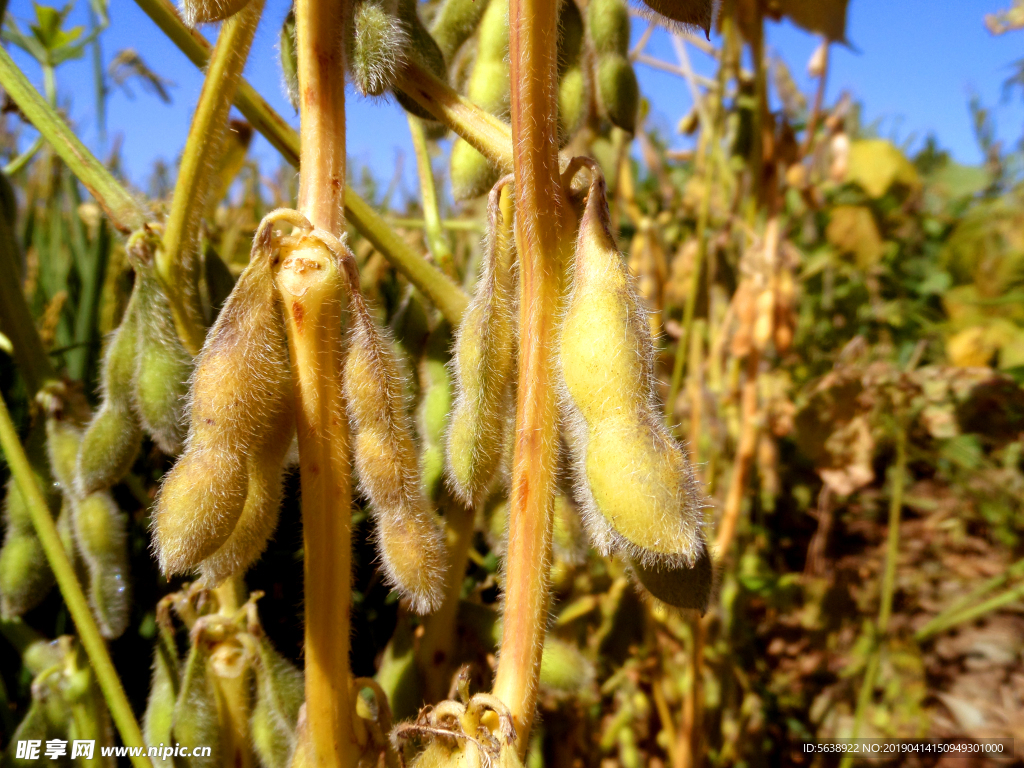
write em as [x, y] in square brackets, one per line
[289, 58]
[99, 529]
[489, 88]
[424, 51]
[409, 540]
[196, 721]
[454, 23]
[379, 46]
[279, 695]
[573, 91]
[158, 719]
[25, 575]
[636, 488]
[206, 11]
[162, 364]
[617, 89]
[484, 362]
[113, 436]
[241, 393]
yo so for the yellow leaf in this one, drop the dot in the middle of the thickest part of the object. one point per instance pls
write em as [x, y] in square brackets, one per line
[876, 165]
[852, 229]
[970, 348]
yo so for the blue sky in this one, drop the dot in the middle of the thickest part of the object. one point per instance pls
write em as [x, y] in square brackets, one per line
[915, 65]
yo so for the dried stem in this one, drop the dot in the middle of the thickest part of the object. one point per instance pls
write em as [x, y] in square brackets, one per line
[176, 260]
[539, 229]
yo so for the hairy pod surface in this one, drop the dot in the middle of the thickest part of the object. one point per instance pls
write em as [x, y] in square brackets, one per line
[195, 713]
[563, 667]
[379, 46]
[434, 407]
[573, 93]
[687, 14]
[25, 575]
[114, 435]
[100, 534]
[256, 524]
[158, 719]
[207, 11]
[424, 51]
[484, 362]
[279, 695]
[62, 443]
[289, 58]
[162, 365]
[241, 391]
[489, 88]
[455, 22]
[409, 540]
[634, 483]
[617, 89]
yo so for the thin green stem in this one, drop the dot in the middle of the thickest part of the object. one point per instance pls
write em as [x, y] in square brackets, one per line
[968, 608]
[74, 598]
[892, 551]
[24, 158]
[16, 321]
[437, 241]
[123, 210]
[445, 295]
[175, 261]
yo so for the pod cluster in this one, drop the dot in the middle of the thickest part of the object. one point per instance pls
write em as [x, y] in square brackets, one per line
[143, 381]
[218, 506]
[187, 697]
[617, 89]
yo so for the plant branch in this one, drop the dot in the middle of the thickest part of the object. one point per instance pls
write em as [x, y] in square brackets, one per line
[437, 241]
[121, 208]
[446, 296]
[175, 261]
[540, 237]
[968, 605]
[74, 598]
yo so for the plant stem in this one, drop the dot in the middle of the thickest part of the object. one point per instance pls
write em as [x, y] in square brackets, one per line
[121, 208]
[892, 551]
[16, 321]
[176, 260]
[963, 607]
[540, 236]
[311, 294]
[74, 598]
[437, 241]
[487, 134]
[744, 456]
[445, 295]
[312, 289]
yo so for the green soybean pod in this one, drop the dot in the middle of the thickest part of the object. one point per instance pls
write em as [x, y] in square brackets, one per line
[490, 89]
[289, 58]
[455, 22]
[279, 696]
[162, 365]
[113, 436]
[434, 407]
[635, 485]
[100, 533]
[380, 43]
[484, 363]
[196, 721]
[158, 719]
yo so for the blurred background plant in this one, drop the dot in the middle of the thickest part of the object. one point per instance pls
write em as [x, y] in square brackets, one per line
[841, 346]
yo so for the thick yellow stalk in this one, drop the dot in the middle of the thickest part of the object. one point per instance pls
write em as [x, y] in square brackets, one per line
[312, 289]
[319, 38]
[539, 225]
